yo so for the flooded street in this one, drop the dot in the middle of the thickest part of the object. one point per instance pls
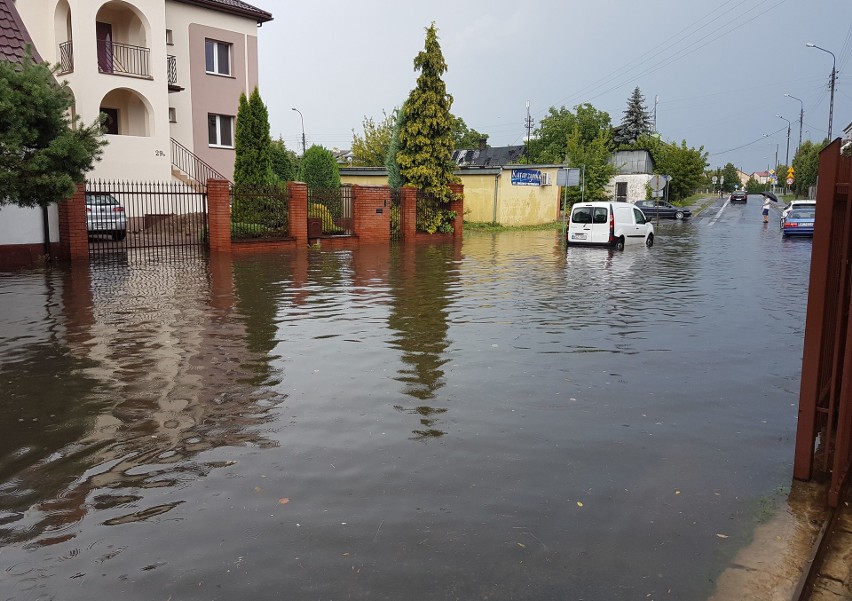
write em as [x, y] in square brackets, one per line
[504, 419]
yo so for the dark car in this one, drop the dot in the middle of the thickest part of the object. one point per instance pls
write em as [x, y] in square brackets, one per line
[738, 196]
[800, 222]
[662, 209]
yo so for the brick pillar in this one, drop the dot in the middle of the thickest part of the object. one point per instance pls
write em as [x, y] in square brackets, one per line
[457, 205]
[219, 215]
[372, 214]
[299, 212]
[73, 227]
[408, 212]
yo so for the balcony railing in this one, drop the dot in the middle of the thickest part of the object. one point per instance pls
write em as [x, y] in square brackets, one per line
[123, 59]
[66, 57]
[172, 67]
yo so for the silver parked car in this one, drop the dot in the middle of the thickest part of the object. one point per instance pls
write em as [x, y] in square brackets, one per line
[105, 215]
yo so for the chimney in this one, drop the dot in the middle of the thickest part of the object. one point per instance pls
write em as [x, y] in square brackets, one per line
[482, 144]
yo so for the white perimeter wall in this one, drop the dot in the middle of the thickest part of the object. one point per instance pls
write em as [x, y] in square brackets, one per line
[24, 225]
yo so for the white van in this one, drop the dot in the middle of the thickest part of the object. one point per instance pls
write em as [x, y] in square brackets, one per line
[615, 224]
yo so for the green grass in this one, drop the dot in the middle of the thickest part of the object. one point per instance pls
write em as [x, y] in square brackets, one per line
[477, 226]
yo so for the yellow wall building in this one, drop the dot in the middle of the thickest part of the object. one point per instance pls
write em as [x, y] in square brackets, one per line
[511, 195]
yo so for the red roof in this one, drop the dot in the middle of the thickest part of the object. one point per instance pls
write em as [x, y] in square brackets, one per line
[13, 34]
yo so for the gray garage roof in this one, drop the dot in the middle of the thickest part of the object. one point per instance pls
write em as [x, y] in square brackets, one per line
[235, 7]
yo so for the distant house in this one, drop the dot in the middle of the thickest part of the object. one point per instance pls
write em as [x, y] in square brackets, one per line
[847, 139]
[761, 177]
[633, 172]
[487, 156]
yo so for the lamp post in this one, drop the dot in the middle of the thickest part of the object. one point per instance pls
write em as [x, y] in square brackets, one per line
[304, 148]
[801, 118]
[831, 84]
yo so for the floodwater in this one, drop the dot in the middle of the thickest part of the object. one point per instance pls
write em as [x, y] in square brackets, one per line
[503, 419]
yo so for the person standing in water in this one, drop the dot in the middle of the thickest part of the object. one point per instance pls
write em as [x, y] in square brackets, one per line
[766, 204]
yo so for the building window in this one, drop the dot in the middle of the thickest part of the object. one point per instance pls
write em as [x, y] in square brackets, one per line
[172, 115]
[169, 40]
[220, 131]
[217, 57]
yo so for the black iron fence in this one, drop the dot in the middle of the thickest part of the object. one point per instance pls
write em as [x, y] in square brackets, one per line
[433, 214]
[130, 220]
[333, 207]
[395, 215]
[260, 212]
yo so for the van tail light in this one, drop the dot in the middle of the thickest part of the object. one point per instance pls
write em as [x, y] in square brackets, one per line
[611, 226]
[118, 209]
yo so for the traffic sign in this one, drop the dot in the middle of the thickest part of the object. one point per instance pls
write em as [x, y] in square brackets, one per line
[790, 181]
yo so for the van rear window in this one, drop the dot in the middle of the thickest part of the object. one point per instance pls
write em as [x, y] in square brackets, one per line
[601, 215]
[582, 215]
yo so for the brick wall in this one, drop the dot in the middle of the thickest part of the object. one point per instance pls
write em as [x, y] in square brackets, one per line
[372, 214]
[219, 215]
[299, 213]
[408, 212]
[457, 205]
[73, 227]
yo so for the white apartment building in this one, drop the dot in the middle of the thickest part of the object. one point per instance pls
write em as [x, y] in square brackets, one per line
[167, 74]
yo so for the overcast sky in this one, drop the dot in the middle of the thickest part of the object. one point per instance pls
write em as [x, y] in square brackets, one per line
[719, 69]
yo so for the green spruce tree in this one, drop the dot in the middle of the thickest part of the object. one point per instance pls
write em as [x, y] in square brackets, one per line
[635, 122]
[395, 179]
[43, 152]
[426, 134]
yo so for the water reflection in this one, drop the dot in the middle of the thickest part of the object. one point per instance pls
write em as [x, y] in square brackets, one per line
[422, 286]
[592, 420]
[121, 393]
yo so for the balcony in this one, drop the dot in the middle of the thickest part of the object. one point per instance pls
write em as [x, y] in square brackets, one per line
[123, 59]
[66, 57]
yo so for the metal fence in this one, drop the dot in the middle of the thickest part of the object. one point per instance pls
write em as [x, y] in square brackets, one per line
[433, 214]
[129, 220]
[125, 59]
[824, 434]
[395, 215]
[334, 208]
[260, 212]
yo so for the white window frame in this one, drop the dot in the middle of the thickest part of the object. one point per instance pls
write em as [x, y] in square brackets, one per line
[169, 38]
[216, 66]
[172, 115]
[218, 143]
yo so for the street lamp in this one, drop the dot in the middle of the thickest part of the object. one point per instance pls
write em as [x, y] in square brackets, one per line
[787, 158]
[801, 118]
[304, 149]
[831, 83]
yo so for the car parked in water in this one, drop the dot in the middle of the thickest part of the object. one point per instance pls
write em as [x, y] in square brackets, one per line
[662, 209]
[800, 222]
[105, 215]
[738, 196]
[603, 223]
[796, 204]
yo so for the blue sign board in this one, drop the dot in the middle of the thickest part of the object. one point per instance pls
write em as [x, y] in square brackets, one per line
[526, 177]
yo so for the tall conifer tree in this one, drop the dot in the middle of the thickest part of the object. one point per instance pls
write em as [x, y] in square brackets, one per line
[252, 144]
[635, 122]
[426, 133]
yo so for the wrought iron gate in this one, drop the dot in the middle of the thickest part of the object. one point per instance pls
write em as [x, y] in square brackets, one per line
[159, 221]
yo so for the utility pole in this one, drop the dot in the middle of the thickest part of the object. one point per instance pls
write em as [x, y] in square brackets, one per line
[528, 123]
[801, 118]
[656, 102]
[831, 84]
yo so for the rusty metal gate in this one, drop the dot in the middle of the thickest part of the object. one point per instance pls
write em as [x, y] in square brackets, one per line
[158, 221]
[824, 435]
